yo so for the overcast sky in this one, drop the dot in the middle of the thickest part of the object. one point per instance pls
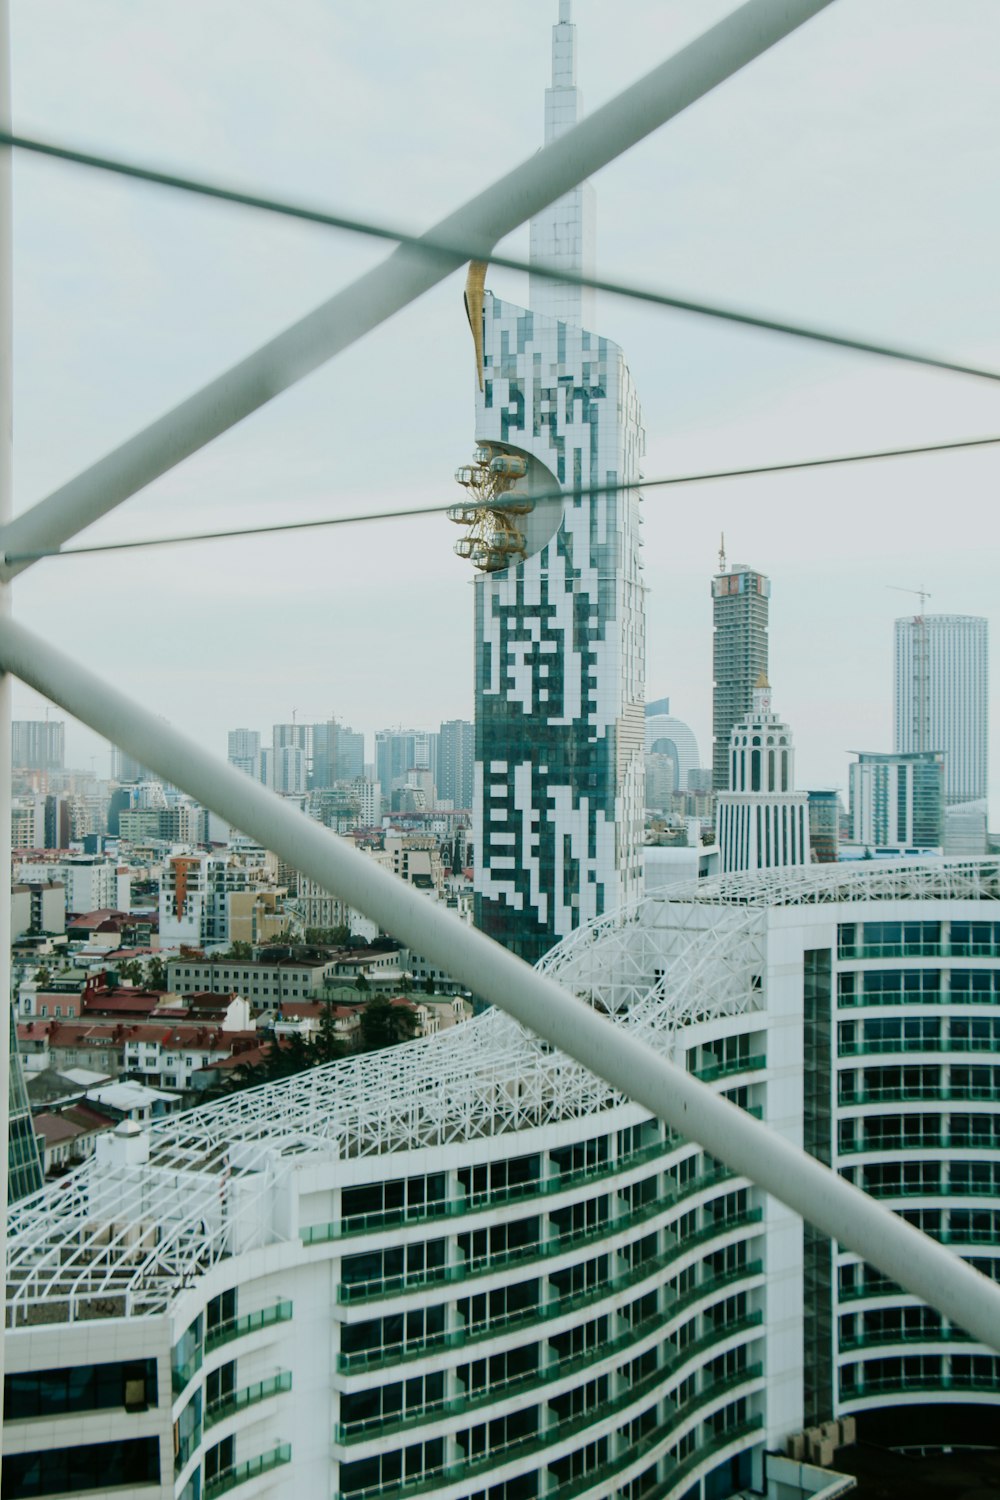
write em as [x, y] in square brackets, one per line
[848, 178]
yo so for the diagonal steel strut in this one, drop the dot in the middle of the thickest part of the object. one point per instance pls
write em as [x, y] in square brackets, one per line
[922, 1266]
[404, 276]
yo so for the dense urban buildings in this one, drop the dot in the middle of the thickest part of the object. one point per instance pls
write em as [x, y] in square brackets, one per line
[739, 655]
[560, 635]
[940, 699]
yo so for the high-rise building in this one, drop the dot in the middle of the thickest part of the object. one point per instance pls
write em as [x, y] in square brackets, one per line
[244, 751]
[338, 754]
[897, 801]
[38, 744]
[739, 654]
[455, 759]
[125, 767]
[940, 698]
[400, 751]
[762, 822]
[560, 631]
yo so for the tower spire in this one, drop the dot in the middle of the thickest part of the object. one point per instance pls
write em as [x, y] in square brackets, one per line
[562, 235]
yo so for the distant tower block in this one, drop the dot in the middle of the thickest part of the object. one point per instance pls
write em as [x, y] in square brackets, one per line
[941, 697]
[740, 600]
[762, 821]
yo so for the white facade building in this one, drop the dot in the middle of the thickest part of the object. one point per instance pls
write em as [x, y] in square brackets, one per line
[941, 697]
[91, 882]
[465, 1266]
[762, 822]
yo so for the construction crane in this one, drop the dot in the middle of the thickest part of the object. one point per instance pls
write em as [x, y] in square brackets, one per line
[921, 669]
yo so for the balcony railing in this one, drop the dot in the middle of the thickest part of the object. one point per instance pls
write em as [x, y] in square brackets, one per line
[872, 1046]
[458, 1338]
[238, 1328]
[915, 1142]
[713, 1071]
[483, 1265]
[252, 1468]
[446, 1208]
[249, 1395]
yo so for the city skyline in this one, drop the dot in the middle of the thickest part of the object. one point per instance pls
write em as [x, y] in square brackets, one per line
[862, 251]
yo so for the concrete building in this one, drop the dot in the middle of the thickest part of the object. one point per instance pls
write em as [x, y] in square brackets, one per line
[402, 1273]
[824, 825]
[897, 801]
[941, 697]
[244, 751]
[455, 760]
[196, 897]
[91, 882]
[560, 633]
[38, 744]
[740, 601]
[762, 822]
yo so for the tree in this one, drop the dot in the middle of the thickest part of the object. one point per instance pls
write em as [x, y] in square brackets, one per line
[240, 951]
[156, 974]
[330, 937]
[130, 971]
[43, 976]
[327, 1046]
[361, 983]
[385, 1025]
[428, 986]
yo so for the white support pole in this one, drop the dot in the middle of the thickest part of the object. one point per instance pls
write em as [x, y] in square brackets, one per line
[6, 510]
[918, 1263]
[405, 275]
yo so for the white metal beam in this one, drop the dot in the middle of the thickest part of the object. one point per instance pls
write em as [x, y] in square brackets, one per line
[6, 510]
[918, 1263]
[404, 276]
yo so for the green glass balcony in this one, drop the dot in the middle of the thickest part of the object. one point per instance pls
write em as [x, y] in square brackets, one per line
[923, 1381]
[238, 1328]
[182, 1373]
[222, 1483]
[446, 1208]
[931, 1094]
[457, 1338]
[877, 1046]
[363, 1291]
[712, 1071]
[535, 1442]
[896, 1336]
[250, 1395]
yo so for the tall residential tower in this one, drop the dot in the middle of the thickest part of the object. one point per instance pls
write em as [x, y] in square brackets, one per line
[739, 654]
[940, 697]
[560, 630]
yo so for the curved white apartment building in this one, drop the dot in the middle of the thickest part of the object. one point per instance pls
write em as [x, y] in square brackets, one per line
[464, 1267]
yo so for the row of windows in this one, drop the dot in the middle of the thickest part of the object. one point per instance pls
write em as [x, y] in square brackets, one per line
[957, 1178]
[81, 1469]
[48, 1393]
[906, 986]
[929, 1081]
[892, 939]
